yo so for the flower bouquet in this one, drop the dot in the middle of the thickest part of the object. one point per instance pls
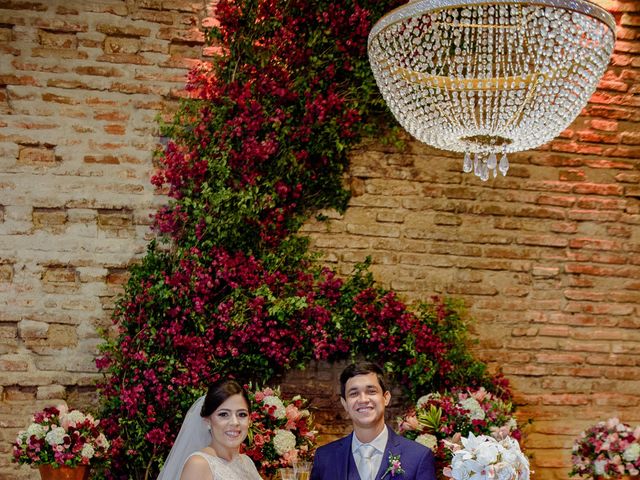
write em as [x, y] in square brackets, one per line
[59, 437]
[281, 431]
[607, 449]
[441, 419]
[486, 458]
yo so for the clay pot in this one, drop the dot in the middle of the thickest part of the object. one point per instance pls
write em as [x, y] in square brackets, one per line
[48, 472]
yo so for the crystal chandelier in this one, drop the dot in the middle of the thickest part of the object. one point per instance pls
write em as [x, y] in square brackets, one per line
[489, 78]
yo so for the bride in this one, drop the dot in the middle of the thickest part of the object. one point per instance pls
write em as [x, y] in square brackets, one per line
[208, 444]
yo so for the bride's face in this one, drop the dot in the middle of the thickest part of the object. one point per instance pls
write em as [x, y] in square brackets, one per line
[229, 424]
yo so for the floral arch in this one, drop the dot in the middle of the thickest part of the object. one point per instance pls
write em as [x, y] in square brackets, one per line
[260, 146]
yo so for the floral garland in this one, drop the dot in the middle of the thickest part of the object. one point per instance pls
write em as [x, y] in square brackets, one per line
[260, 146]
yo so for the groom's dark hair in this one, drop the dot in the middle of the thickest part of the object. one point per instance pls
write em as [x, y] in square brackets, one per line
[361, 368]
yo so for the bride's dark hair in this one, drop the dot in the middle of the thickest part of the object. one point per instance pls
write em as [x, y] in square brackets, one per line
[219, 392]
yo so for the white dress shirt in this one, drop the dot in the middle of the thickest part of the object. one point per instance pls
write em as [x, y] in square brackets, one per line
[379, 443]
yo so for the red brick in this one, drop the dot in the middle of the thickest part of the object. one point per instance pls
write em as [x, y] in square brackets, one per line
[58, 39]
[631, 138]
[114, 218]
[595, 137]
[604, 125]
[48, 217]
[118, 45]
[117, 276]
[630, 20]
[35, 155]
[114, 129]
[622, 151]
[105, 159]
[60, 275]
[6, 273]
[571, 175]
[122, 30]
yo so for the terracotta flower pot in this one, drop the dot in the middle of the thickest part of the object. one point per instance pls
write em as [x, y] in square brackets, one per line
[619, 477]
[48, 472]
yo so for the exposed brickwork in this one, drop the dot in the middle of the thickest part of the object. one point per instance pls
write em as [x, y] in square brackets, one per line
[81, 84]
[546, 259]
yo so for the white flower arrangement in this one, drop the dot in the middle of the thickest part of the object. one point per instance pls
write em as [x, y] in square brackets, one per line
[273, 401]
[485, 458]
[475, 409]
[425, 398]
[281, 431]
[58, 436]
[284, 441]
[428, 440]
[632, 452]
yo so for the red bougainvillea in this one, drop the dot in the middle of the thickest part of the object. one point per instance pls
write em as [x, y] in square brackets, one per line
[260, 145]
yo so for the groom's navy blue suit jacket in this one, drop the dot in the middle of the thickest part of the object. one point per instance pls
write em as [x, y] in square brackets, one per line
[334, 461]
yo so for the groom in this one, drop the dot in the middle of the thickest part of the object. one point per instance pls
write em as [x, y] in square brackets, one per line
[372, 450]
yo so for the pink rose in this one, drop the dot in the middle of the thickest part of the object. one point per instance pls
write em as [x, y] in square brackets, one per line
[258, 440]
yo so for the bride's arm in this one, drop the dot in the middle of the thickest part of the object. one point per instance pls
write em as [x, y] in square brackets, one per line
[196, 468]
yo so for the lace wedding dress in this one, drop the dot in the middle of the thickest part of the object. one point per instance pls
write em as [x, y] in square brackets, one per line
[240, 468]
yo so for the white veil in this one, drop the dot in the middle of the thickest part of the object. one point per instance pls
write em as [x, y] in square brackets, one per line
[193, 436]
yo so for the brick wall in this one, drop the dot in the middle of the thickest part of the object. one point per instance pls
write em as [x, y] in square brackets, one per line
[547, 259]
[81, 85]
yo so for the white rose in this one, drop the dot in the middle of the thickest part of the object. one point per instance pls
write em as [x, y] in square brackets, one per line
[273, 401]
[425, 398]
[102, 441]
[632, 452]
[87, 451]
[284, 441]
[73, 418]
[427, 440]
[37, 430]
[55, 436]
[475, 410]
[598, 466]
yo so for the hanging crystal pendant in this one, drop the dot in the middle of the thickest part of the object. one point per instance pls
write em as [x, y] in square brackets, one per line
[503, 166]
[467, 164]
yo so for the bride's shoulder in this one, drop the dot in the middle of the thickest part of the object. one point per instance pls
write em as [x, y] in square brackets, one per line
[196, 467]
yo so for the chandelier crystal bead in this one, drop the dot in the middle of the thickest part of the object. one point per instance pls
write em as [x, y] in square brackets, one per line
[489, 79]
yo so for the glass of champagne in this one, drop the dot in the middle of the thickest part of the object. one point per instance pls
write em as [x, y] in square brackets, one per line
[287, 474]
[302, 470]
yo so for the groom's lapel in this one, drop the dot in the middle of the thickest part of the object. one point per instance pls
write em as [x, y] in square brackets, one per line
[393, 447]
[347, 466]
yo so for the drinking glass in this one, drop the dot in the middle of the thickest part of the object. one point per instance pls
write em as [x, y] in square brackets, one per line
[287, 474]
[302, 470]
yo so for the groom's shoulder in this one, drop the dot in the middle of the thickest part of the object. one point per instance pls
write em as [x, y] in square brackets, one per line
[336, 444]
[411, 445]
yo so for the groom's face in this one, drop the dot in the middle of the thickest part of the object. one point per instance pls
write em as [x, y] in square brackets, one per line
[365, 401]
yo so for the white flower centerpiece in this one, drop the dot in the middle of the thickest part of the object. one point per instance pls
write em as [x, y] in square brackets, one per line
[486, 458]
[59, 439]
